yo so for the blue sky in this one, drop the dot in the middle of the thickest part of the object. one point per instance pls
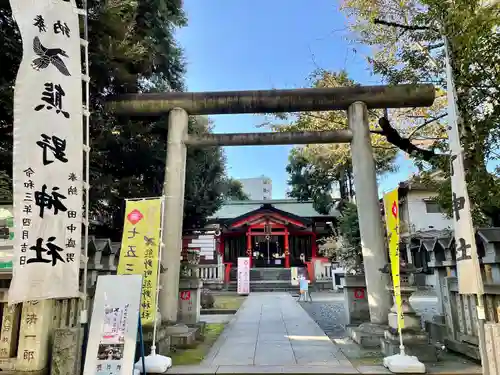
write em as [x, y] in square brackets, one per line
[267, 44]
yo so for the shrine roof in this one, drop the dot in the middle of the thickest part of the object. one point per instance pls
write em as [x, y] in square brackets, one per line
[234, 209]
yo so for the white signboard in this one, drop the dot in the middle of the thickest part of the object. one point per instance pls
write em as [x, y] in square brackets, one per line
[47, 155]
[243, 275]
[113, 329]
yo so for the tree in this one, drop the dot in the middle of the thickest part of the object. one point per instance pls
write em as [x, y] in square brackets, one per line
[132, 49]
[315, 169]
[5, 189]
[345, 245]
[234, 191]
[407, 41]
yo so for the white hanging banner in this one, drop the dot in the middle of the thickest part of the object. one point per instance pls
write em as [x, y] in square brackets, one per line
[48, 152]
[468, 268]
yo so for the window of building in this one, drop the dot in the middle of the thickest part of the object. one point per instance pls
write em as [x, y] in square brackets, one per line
[265, 190]
[433, 207]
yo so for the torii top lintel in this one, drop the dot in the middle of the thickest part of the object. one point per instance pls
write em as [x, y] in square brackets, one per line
[273, 101]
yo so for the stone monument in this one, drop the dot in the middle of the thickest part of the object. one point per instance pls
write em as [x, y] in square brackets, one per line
[188, 328]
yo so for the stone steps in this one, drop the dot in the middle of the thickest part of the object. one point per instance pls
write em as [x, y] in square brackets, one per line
[282, 274]
[266, 286]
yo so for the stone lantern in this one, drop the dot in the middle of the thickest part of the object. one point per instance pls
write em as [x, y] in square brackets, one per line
[190, 286]
[415, 340]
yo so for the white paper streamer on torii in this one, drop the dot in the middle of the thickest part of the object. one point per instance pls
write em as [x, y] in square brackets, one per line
[47, 155]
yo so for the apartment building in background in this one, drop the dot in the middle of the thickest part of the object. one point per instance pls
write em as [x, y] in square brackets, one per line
[257, 188]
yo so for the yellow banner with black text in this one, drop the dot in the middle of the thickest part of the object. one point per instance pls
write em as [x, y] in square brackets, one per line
[139, 250]
[391, 208]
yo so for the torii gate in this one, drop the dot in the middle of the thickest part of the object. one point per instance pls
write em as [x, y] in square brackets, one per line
[356, 100]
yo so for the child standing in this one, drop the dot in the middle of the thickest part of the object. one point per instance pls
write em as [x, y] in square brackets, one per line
[304, 289]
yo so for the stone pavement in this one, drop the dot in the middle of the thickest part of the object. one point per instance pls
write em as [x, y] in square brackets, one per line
[272, 333]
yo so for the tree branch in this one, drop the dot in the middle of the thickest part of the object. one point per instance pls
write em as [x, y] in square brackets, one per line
[403, 144]
[425, 124]
[378, 21]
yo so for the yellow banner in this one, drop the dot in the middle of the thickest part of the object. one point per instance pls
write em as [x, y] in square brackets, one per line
[391, 208]
[139, 250]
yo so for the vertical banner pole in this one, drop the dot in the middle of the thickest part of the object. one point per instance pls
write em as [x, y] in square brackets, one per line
[158, 286]
[86, 148]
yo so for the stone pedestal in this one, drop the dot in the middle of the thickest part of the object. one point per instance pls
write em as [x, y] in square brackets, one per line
[368, 335]
[162, 341]
[356, 300]
[359, 328]
[189, 301]
[34, 335]
[416, 344]
[67, 351]
[415, 340]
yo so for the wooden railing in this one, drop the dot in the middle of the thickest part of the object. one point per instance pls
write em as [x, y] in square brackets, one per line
[461, 316]
[455, 324]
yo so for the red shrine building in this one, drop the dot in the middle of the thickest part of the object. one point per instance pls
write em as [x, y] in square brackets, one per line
[272, 233]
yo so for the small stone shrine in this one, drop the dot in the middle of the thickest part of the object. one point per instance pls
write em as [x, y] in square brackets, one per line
[415, 340]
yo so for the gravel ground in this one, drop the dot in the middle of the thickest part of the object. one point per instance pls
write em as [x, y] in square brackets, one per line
[330, 316]
[327, 309]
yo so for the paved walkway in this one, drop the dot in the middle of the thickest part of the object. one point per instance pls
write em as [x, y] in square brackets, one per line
[272, 333]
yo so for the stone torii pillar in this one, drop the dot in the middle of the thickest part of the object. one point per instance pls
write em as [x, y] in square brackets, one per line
[356, 100]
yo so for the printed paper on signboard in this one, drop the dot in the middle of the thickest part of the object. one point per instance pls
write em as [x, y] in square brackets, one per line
[113, 329]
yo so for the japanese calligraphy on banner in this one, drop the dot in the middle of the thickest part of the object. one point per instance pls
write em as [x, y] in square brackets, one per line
[243, 280]
[48, 152]
[391, 208]
[468, 268]
[139, 251]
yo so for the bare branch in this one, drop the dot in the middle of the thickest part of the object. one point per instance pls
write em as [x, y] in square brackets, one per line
[434, 46]
[379, 21]
[420, 127]
[404, 144]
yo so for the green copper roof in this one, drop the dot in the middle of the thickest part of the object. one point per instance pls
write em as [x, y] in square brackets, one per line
[233, 209]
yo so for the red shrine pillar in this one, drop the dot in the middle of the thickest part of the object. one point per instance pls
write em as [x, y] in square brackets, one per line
[314, 245]
[249, 246]
[287, 252]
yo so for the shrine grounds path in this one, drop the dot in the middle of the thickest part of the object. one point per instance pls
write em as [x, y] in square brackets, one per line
[271, 333]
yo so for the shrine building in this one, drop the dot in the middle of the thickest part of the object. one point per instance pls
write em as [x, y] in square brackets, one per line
[273, 233]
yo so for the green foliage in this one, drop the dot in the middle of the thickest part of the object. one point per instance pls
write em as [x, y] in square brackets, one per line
[234, 191]
[132, 48]
[5, 189]
[347, 244]
[349, 225]
[315, 169]
[407, 47]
